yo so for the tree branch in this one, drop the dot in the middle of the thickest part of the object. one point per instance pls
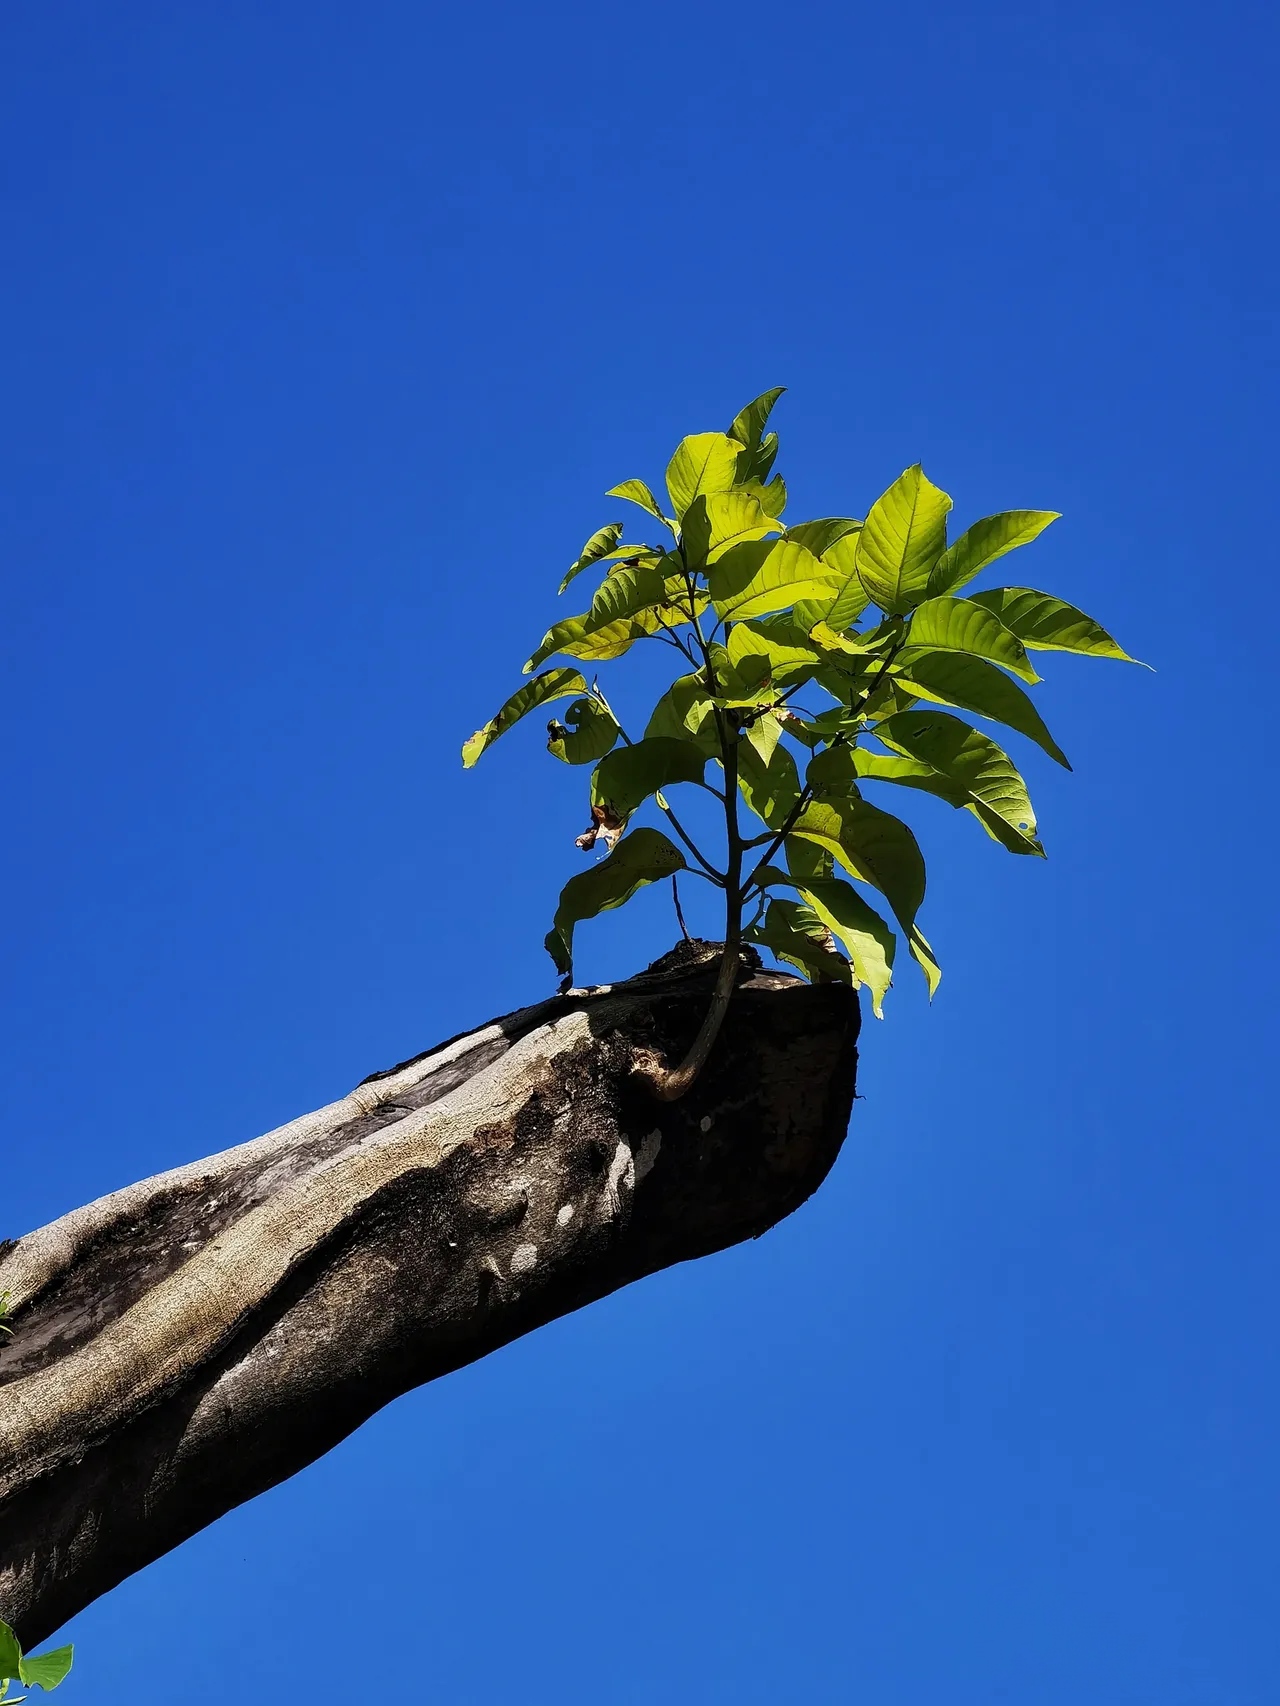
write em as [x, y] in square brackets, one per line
[190, 1341]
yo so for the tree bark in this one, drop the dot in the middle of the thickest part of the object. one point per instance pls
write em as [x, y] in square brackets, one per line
[188, 1342]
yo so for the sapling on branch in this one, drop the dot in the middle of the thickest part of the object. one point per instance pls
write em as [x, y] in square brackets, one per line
[871, 621]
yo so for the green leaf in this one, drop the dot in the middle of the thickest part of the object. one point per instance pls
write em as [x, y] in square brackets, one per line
[580, 637]
[629, 591]
[786, 660]
[852, 598]
[684, 711]
[971, 684]
[902, 538]
[593, 733]
[833, 772]
[971, 763]
[597, 547]
[10, 1653]
[820, 536]
[872, 846]
[961, 625]
[808, 862]
[744, 684]
[764, 576]
[860, 931]
[923, 955]
[864, 766]
[754, 466]
[824, 636]
[628, 775]
[1048, 625]
[636, 492]
[983, 543]
[764, 731]
[645, 856]
[551, 684]
[748, 426]
[859, 928]
[704, 462]
[715, 521]
[770, 788]
[773, 497]
[795, 933]
[621, 611]
[46, 1670]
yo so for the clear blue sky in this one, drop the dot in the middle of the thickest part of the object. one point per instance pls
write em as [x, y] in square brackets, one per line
[325, 329]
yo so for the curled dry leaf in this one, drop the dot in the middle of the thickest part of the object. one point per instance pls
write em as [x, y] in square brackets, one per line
[606, 826]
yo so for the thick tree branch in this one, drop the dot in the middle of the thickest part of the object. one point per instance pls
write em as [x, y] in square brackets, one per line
[188, 1342]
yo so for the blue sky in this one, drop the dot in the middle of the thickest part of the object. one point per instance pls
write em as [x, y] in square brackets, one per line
[326, 329]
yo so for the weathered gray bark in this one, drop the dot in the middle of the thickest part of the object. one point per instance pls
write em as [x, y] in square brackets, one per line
[186, 1343]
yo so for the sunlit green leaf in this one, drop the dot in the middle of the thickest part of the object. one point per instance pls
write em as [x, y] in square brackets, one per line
[786, 660]
[703, 462]
[748, 426]
[860, 931]
[971, 684]
[794, 932]
[970, 762]
[685, 711]
[808, 862]
[983, 543]
[902, 538]
[627, 777]
[871, 845]
[820, 536]
[824, 637]
[621, 611]
[715, 521]
[597, 547]
[858, 928]
[761, 447]
[770, 788]
[748, 683]
[551, 684]
[852, 598]
[1047, 624]
[833, 772]
[10, 1653]
[645, 856]
[636, 492]
[864, 766]
[961, 625]
[763, 576]
[46, 1670]
[594, 642]
[773, 496]
[593, 733]
[923, 955]
[763, 731]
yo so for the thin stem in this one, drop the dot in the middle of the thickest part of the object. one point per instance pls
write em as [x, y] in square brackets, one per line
[806, 793]
[675, 639]
[675, 895]
[763, 710]
[669, 1084]
[713, 875]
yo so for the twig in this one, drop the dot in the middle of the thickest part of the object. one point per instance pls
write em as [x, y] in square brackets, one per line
[675, 895]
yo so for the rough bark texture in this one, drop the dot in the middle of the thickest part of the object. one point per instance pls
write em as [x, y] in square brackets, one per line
[186, 1343]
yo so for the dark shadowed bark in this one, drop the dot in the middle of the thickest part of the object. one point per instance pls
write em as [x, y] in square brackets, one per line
[190, 1341]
